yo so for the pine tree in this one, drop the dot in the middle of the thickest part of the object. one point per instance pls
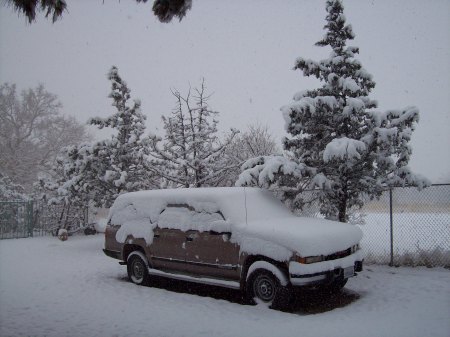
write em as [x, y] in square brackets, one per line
[119, 163]
[338, 143]
[72, 178]
[102, 170]
[164, 10]
[190, 151]
[55, 8]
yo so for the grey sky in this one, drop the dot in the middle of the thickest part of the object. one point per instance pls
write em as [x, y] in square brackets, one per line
[245, 50]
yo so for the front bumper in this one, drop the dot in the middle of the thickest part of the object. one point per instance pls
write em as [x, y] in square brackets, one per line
[326, 271]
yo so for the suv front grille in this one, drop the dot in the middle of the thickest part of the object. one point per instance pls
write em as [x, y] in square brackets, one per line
[338, 255]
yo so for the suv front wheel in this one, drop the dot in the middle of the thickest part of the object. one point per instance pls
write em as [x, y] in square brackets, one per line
[137, 268]
[263, 287]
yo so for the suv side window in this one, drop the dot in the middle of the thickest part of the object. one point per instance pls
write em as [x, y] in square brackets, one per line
[185, 218]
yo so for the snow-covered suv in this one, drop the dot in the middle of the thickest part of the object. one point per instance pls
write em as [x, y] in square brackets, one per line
[235, 237]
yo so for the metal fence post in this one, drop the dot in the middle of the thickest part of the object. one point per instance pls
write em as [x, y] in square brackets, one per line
[391, 216]
[30, 224]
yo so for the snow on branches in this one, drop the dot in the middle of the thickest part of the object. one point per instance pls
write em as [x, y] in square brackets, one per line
[120, 162]
[254, 142]
[10, 190]
[102, 170]
[338, 143]
[190, 153]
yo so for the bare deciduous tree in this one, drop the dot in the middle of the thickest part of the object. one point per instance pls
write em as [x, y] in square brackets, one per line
[32, 131]
[255, 142]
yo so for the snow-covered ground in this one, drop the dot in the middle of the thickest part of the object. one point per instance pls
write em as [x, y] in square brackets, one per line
[54, 288]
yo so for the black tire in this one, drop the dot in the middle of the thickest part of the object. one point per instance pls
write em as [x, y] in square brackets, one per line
[137, 269]
[264, 288]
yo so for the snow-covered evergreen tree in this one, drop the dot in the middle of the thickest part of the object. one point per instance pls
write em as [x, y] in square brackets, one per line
[71, 181]
[66, 192]
[164, 10]
[102, 170]
[118, 164]
[189, 153]
[338, 143]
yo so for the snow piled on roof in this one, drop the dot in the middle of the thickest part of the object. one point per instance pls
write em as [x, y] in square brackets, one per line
[150, 204]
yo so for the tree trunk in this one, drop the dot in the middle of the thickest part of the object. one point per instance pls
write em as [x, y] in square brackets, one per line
[342, 216]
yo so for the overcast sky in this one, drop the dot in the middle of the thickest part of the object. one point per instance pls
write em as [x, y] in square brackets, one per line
[245, 49]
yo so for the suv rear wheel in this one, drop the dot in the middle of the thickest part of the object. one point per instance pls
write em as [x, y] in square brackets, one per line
[137, 268]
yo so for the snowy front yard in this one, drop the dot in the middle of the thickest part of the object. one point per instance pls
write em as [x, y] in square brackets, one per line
[54, 288]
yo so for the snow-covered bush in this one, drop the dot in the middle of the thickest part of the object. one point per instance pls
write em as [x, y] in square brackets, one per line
[9, 190]
[63, 235]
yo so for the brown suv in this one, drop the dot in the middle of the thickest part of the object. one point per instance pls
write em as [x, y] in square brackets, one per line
[235, 237]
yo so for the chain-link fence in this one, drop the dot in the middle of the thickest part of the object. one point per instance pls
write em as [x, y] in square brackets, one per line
[409, 227]
[404, 227]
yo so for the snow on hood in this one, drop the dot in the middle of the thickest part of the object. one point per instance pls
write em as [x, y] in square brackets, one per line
[306, 236]
[259, 222]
